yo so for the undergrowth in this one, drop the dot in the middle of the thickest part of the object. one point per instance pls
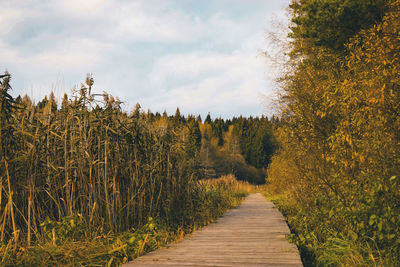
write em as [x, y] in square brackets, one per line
[323, 246]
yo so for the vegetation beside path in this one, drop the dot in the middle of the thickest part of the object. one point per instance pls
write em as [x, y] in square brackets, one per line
[72, 242]
[336, 175]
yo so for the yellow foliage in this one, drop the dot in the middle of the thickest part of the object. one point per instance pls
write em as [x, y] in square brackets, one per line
[339, 142]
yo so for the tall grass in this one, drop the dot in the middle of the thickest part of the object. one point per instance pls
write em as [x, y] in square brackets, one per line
[90, 158]
[85, 171]
[72, 247]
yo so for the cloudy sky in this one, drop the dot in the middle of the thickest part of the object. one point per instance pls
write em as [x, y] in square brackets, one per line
[201, 55]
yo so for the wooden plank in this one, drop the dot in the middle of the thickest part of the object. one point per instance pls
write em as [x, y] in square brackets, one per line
[254, 234]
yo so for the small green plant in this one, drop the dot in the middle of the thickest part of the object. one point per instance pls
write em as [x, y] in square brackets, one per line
[69, 228]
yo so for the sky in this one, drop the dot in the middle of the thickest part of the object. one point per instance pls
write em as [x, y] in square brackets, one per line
[199, 55]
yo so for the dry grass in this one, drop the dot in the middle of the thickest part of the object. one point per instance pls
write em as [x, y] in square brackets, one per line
[229, 181]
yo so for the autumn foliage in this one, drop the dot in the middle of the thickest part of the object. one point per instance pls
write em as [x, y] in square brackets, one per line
[338, 166]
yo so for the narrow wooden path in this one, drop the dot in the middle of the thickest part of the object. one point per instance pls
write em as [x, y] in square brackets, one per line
[251, 235]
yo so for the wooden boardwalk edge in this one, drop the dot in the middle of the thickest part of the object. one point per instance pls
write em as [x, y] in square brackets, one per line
[254, 234]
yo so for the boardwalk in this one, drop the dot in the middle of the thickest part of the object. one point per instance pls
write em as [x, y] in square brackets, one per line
[250, 235]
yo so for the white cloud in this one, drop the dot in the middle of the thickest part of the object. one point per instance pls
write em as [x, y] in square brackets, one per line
[164, 53]
[220, 83]
[83, 8]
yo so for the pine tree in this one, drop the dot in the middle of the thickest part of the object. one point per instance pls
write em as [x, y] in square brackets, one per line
[177, 118]
[208, 119]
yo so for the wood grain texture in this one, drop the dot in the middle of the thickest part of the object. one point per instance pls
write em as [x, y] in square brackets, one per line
[251, 235]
